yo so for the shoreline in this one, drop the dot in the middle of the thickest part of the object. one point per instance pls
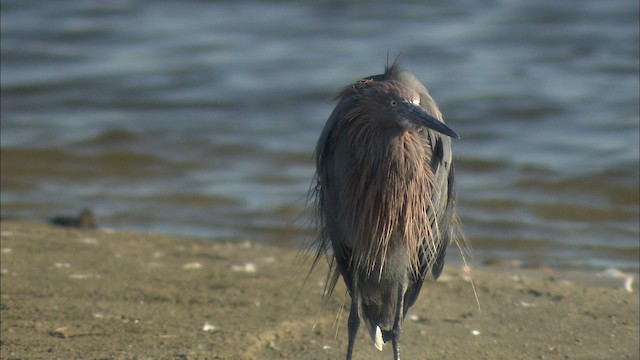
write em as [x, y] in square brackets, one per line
[68, 293]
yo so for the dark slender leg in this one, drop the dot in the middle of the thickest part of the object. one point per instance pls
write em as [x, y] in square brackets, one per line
[396, 348]
[397, 326]
[354, 321]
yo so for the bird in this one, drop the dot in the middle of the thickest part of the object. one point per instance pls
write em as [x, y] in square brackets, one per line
[384, 199]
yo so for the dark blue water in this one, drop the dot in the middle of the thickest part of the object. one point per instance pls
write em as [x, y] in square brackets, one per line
[200, 117]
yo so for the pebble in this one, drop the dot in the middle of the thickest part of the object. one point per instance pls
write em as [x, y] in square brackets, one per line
[192, 266]
[208, 327]
[248, 268]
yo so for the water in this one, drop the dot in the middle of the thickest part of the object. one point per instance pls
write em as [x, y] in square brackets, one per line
[200, 117]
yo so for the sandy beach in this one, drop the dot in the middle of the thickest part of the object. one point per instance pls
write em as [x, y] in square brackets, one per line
[72, 294]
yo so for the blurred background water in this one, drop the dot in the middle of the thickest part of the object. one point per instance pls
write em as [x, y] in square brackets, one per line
[200, 117]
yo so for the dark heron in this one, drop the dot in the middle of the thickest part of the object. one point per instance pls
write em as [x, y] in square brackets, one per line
[384, 193]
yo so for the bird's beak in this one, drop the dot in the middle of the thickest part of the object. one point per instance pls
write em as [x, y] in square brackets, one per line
[421, 118]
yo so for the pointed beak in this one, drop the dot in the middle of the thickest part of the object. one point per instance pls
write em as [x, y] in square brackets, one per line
[421, 118]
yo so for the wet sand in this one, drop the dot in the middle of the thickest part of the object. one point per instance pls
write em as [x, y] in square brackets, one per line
[72, 294]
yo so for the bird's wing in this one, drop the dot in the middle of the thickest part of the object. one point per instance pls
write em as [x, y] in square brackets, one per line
[326, 199]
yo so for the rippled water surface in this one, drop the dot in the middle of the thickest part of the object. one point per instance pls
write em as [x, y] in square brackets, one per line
[200, 117]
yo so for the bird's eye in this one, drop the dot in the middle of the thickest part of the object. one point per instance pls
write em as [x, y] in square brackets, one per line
[394, 103]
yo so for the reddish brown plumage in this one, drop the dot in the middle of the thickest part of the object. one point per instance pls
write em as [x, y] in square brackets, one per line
[384, 192]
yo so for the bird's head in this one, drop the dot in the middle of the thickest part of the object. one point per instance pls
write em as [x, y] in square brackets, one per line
[392, 101]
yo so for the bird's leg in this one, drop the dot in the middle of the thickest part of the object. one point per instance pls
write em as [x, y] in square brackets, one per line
[354, 320]
[397, 326]
[396, 348]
